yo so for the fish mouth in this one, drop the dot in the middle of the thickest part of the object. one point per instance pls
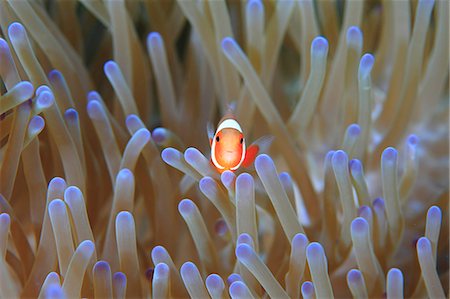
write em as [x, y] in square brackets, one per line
[230, 152]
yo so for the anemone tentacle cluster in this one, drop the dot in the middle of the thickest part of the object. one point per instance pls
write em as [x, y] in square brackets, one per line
[106, 184]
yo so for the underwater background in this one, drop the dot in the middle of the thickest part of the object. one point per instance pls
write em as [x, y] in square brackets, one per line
[106, 184]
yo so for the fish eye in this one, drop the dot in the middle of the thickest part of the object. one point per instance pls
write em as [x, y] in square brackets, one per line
[242, 140]
[217, 138]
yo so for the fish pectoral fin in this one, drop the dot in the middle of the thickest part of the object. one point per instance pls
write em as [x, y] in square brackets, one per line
[250, 155]
[261, 145]
[210, 131]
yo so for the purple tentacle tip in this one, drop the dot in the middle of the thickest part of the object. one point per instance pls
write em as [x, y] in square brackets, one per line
[395, 273]
[354, 34]
[57, 207]
[434, 213]
[27, 89]
[71, 114]
[158, 253]
[159, 135]
[238, 289]
[192, 155]
[5, 219]
[101, 266]
[354, 129]
[93, 95]
[378, 203]
[329, 156]
[87, 246]
[263, 162]
[413, 139]
[72, 192]
[188, 269]
[131, 120]
[161, 269]
[16, 30]
[94, 109]
[124, 174]
[54, 75]
[43, 88]
[255, 5]
[169, 154]
[227, 177]
[214, 281]
[57, 182]
[154, 39]
[364, 211]
[244, 180]
[120, 279]
[228, 44]
[366, 62]
[143, 134]
[233, 277]
[4, 45]
[340, 157]
[124, 216]
[186, 207]
[45, 99]
[307, 288]
[285, 179]
[244, 251]
[359, 225]
[299, 240]
[355, 165]
[245, 239]
[37, 123]
[354, 276]
[314, 250]
[110, 66]
[319, 44]
[207, 184]
[389, 154]
[423, 244]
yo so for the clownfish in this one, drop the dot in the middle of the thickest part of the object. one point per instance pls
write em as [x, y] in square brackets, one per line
[228, 147]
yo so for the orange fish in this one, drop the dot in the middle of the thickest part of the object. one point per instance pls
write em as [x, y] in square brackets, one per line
[228, 147]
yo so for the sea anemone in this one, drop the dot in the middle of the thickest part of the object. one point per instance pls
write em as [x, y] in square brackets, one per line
[107, 189]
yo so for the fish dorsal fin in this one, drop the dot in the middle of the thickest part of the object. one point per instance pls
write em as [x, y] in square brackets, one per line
[230, 111]
[231, 107]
